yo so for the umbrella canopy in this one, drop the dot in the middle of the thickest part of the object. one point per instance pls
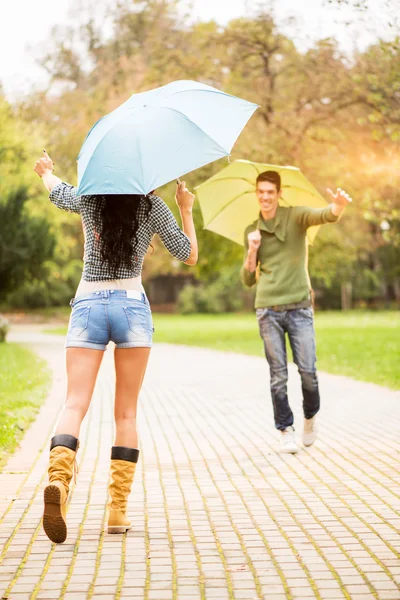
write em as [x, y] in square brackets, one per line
[158, 136]
[229, 203]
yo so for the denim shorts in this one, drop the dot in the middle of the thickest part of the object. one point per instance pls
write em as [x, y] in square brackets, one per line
[120, 316]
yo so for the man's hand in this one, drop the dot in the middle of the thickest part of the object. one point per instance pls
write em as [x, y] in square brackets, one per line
[254, 239]
[44, 165]
[341, 198]
[183, 197]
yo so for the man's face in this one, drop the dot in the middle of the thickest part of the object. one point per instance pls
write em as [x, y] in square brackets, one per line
[268, 196]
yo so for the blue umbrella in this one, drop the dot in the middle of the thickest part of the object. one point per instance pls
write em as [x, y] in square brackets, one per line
[158, 136]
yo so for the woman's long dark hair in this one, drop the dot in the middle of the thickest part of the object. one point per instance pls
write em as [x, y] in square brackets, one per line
[118, 226]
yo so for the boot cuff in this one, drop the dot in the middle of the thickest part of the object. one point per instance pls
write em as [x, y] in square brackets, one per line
[63, 439]
[123, 453]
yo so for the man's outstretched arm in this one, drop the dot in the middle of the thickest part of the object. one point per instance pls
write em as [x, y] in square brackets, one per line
[307, 217]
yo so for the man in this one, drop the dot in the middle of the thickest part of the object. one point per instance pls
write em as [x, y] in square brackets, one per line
[276, 248]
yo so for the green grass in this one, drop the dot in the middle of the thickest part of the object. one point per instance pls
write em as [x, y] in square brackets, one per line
[362, 345]
[24, 382]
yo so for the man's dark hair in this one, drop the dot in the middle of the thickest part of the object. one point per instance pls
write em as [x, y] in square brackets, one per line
[272, 177]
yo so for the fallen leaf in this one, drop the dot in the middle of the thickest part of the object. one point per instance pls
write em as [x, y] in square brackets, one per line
[238, 568]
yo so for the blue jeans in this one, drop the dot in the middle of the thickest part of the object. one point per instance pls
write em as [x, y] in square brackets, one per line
[123, 317]
[299, 325]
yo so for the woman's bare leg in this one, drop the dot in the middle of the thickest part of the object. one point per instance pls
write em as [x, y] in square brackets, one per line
[82, 368]
[130, 368]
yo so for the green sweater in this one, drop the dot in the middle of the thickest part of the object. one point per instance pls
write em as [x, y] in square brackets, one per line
[282, 256]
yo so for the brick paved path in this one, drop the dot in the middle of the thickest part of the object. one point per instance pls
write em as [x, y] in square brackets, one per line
[217, 512]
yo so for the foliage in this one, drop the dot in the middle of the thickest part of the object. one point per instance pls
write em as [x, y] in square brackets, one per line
[334, 116]
[25, 242]
[224, 294]
[56, 287]
[19, 143]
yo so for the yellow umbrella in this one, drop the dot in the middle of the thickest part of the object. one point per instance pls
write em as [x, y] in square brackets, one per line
[229, 203]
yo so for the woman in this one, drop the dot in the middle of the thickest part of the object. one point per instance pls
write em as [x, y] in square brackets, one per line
[110, 305]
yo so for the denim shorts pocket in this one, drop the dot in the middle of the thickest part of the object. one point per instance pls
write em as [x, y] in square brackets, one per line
[139, 317]
[79, 319]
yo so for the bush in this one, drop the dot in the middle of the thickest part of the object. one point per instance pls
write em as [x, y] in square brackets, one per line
[191, 300]
[55, 289]
[4, 327]
[26, 242]
[200, 299]
[40, 294]
[223, 295]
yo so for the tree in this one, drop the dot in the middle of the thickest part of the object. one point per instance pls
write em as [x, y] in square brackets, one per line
[334, 116]
[18, 139]
[26, 242]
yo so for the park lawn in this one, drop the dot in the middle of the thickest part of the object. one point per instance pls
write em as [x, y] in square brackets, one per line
[362, 345]
[24, 383]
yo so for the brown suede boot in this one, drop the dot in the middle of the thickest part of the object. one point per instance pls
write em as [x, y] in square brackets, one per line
[123, 466]
[63, 450]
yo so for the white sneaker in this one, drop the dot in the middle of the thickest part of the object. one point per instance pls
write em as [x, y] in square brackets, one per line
[288, 441]
[310, 431]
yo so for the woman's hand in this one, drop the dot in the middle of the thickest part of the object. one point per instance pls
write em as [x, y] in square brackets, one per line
[44, 165]
[183, 197]
[44, 168]
[185, 200]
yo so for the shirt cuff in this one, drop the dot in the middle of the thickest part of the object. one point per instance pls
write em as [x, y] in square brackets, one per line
[248, 279]
[330, 216]
[185, 250]
[56, 187]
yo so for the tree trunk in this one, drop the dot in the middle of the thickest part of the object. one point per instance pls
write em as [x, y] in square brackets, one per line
[347, 295]
[396, 286]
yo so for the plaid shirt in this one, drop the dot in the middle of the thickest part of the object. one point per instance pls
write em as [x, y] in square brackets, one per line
[160, 221]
